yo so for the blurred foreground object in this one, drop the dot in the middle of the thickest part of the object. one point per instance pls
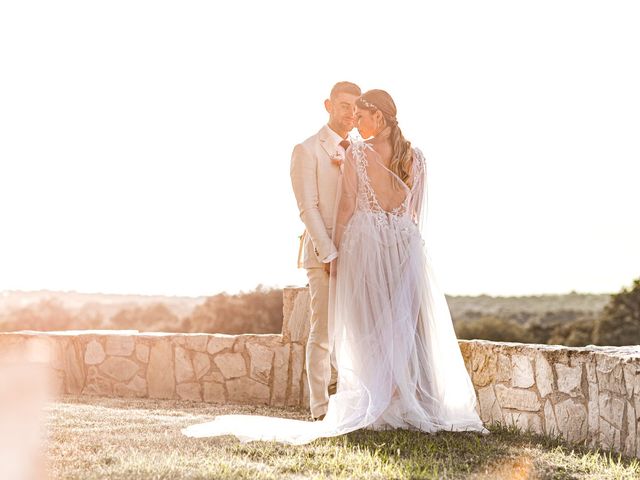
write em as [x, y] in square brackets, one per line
[24, 392]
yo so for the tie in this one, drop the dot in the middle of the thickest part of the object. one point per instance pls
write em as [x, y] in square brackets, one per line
[345, 144]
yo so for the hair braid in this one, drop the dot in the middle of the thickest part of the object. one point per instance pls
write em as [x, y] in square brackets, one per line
[402, 155]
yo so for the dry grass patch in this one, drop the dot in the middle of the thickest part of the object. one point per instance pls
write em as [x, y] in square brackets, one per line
[91, 438]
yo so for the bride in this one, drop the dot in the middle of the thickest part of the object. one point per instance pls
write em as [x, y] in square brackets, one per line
[397, 356]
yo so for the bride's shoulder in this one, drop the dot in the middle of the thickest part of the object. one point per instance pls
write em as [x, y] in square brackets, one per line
[418, 158]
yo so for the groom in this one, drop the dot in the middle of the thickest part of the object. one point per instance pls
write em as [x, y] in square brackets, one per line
[314, 176]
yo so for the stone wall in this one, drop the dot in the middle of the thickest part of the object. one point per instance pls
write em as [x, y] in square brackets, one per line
[218, 368]
[256, 369]
[586, 395]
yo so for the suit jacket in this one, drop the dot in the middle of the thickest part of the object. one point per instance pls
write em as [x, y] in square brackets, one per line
[315, 183]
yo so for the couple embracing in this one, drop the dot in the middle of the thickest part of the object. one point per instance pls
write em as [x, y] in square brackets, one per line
[376, 312]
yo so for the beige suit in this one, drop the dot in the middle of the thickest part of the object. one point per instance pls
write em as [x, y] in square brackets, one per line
[315, 180]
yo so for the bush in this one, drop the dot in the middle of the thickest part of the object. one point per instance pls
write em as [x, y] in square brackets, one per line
[152, 318]
[620, 321]
[492, 328]
[46, 315]
[259, 311]
[574, 334]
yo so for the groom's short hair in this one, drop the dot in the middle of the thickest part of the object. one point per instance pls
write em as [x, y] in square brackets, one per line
[345, 87]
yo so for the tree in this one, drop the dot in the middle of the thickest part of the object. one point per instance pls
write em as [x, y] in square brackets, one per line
[620, 321]
[46, 315]
[573, 334]
[259, 311]
[155, 317]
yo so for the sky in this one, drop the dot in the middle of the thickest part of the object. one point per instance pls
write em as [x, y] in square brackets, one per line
[145, 146]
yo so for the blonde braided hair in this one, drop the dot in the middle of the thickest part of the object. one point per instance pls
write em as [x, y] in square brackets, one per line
[402, 155]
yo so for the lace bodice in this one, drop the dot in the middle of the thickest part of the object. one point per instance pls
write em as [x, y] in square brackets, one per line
[367, 198]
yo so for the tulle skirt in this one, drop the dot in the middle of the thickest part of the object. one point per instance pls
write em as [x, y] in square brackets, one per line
[398, 360]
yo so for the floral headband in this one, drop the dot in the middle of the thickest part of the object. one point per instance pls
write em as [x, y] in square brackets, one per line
[366, 104]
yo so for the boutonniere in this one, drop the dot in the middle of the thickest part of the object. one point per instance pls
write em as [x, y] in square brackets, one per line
[337, 158]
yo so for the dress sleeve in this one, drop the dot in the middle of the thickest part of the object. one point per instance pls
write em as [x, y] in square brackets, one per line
[419, 193]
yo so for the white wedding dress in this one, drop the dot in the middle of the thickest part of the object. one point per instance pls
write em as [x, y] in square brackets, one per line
[397, 356]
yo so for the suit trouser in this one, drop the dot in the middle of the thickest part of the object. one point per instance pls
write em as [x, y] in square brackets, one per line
[318, 359]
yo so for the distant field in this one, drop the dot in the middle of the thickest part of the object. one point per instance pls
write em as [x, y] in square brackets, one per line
[109, 304]
[534, 319]
[105, 304]
[534, 304]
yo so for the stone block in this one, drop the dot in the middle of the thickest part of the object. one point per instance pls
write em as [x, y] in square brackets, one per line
[238, 346]
[160, 372]
[142, 352]
[590, 367]
[260, 361]
[136, 388]
[295, 380]
[593, 411]
[197, 343]
[569, 379]
[490, 411]
[544, 375]
[522, 372]
[630, 378]
[280, 375]
[119, 369]
[306, 402]
[571, 417]
[629, 447]
[190, 391]
[201, 364]
[232, 365]
[247, 390]
[611, 409]
[524, 421]
[484, 367]
[94, 354]
[184, 367]
[74, 372]
[58, 348]
[609, 435]
[550, 423]
[97, 384]
[503, 373]
[609, 372]
[120, 345]
[219, 342]
[138, 384]
[518, 399]
[296, 315]
[213, 377]
[214, 392]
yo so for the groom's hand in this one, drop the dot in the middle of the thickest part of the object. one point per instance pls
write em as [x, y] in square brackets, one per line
[327, 267]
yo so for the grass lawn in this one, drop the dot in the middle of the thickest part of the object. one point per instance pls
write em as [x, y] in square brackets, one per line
[92, 438]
